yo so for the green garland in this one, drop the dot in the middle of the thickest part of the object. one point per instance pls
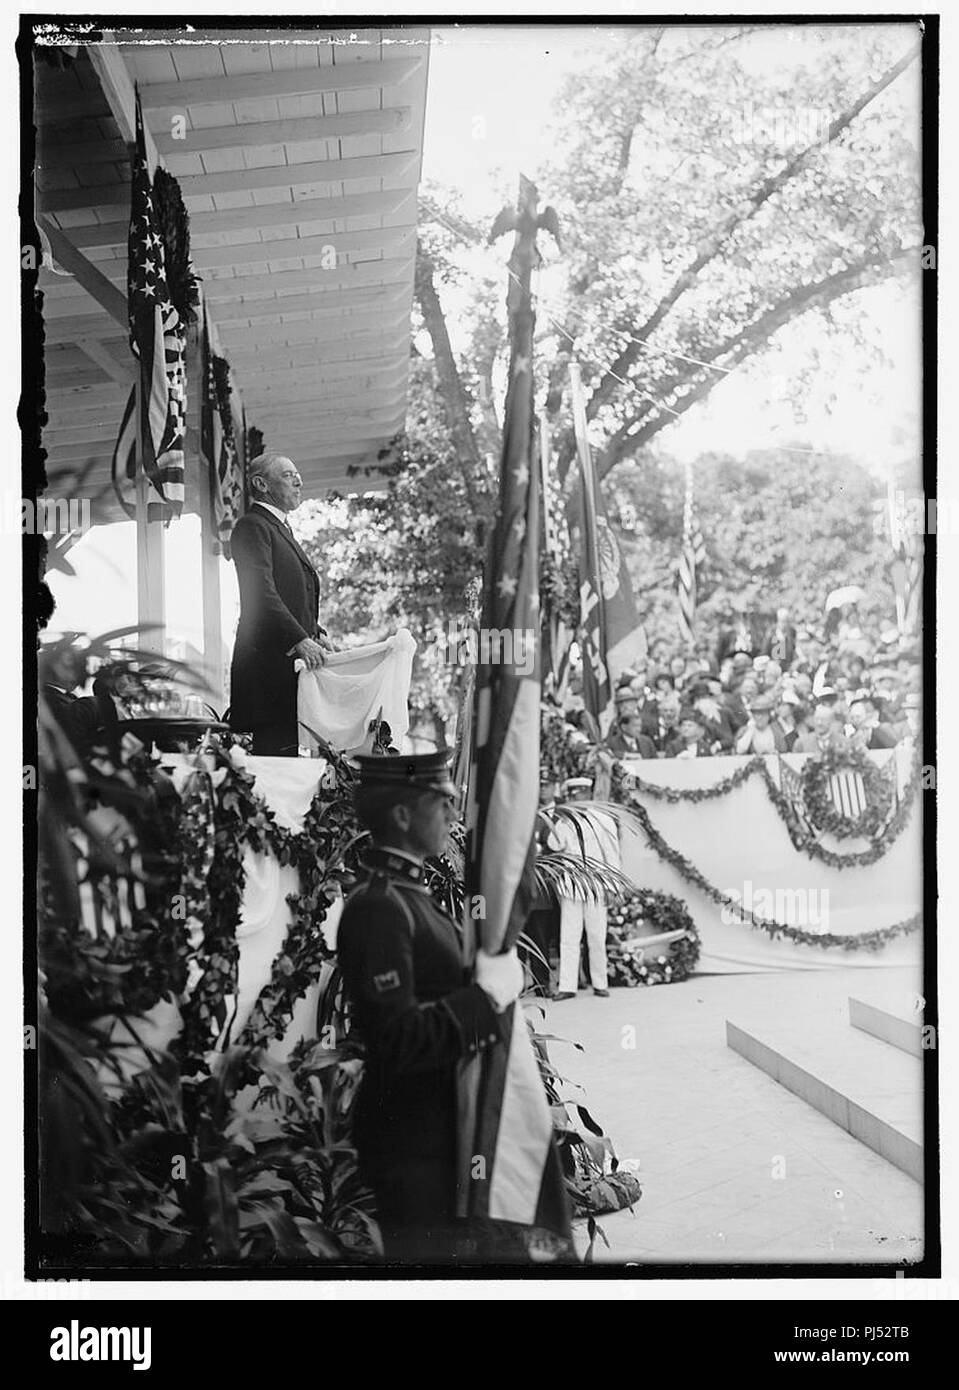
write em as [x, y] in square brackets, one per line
[173, 220]
[276, 1183]
[822, 812]
[240, 818]
[625, 951]
[213, 881]
[324, 854]
[891, 831]
[625, 782]
[756, 764]
[194, 841]
[864, 941]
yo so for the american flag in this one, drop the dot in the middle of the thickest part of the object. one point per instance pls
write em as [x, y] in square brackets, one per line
[691, 557]
[158, 341]
[558, 637]
[791, 786]
[907, 563]
[847, 792]
[509, 1165]
[611, 633]
[219, 445]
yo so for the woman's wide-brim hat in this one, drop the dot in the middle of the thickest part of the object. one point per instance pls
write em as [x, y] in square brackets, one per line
[427, 772]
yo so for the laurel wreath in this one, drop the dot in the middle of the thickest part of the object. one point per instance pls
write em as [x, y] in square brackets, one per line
[630, 962]
[819, 805]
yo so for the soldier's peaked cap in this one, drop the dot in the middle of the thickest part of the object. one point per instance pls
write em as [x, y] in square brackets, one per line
[427, 772]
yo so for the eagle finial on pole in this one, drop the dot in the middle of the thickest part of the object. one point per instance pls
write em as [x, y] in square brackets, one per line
[524, 218]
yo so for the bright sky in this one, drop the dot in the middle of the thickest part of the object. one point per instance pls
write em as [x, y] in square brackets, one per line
[103, 594]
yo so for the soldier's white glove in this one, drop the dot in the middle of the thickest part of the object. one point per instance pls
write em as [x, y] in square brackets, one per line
[501, 977]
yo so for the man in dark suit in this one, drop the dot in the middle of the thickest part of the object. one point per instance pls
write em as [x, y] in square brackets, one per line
[279, 611]
[693, 739]
[626, 736]
[704, 696]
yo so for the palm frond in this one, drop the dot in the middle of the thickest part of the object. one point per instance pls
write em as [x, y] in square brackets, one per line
[561, 875]
[582, 814]
[529, 947]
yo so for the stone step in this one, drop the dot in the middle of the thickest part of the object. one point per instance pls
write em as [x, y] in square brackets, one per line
[871, 1090]
[888, 1027]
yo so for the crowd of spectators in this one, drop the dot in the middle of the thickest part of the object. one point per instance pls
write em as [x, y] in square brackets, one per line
[770, 688]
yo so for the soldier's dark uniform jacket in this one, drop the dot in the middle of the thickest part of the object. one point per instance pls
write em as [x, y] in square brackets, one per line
[404, 976]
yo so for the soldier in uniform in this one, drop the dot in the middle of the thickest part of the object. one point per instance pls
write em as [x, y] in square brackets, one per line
[412, 1005]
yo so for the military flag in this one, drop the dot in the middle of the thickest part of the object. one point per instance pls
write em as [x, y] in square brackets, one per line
[611, 634]
[558, 636]
[907, 563]
[220, 445]
[509, 1165]
[691, 559]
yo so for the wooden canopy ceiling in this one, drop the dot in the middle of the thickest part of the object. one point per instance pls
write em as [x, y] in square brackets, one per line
[299, 157]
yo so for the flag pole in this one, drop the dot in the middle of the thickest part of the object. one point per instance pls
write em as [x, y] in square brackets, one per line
[508, 1164]
[507, 578]
[545, 490]
[597, 689]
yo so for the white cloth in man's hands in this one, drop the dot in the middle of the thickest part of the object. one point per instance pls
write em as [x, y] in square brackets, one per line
[353, 687]
[501, 977]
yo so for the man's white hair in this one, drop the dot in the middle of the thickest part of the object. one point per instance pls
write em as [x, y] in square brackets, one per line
[261, 466]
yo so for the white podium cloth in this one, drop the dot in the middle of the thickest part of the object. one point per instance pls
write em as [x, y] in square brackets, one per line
[287, 785]
[741, 846]
[340, 700]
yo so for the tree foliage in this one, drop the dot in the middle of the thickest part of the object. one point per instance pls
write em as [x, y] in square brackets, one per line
[711, 192]
[715, 199]
[781, 527]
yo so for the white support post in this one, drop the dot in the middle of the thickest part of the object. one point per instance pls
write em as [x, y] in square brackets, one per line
[151, 545]
[209, 559]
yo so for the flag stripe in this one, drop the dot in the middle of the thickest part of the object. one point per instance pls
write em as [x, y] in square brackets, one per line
[611, 634]
[510, 821]
[525, 1133]
[158, 341]
[692, 555]
[219, 445]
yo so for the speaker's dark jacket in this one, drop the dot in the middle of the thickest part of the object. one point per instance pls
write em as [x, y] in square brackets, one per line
[279, 606]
